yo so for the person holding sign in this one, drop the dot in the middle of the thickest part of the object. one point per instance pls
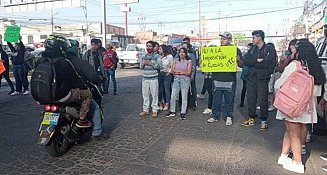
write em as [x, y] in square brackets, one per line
[261, 60]
[17, 60]
[182, 70]
[5, 61]
[224, 87]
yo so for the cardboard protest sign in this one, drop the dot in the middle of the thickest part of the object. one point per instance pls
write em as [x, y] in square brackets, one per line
[2, 68]
[12, 34]
[219, 59]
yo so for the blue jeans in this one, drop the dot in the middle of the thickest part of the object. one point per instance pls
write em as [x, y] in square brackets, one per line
[180, 84]
[228, 94]
[95, 114]
[164, 87]
[21, 81]
[111, 75]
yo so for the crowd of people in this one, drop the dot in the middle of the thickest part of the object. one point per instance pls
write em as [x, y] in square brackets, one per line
[169, 76]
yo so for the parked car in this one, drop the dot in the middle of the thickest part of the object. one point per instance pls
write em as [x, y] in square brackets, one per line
[131, 55]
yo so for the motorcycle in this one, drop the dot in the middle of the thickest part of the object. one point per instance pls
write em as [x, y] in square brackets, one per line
[58, 130]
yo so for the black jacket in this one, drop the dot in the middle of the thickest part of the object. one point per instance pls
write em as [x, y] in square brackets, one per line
[4, 57]
[67, 77]
[19, 58]
[264, 69]
[85, 70]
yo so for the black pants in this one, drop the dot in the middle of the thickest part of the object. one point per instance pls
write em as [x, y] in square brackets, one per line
[257, 91]
[5, 74]
[243, 92]
[208, 86]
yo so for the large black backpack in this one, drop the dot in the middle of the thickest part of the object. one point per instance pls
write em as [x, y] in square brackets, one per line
[43, 81]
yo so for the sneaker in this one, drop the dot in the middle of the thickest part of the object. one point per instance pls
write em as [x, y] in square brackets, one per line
[323, 157]
[212, 120]
[143, 113]
[171, 114]
[207, 111]
[324, 168]
[200, 96]
[241, 105]
[11, 92]
[249, 122]
[304, 150]
[283, 159]
[264, 126]
[308, 140]
[183, 117]
[115, 93]
[83, 123]
[271, 108]
[26, 92]
[258, 107]
[295, 167]
[15, 93]
[229, 121]
[154, 114]
[160, 108]
[105, 92]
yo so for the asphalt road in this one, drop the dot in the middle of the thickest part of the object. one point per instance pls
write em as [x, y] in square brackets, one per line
[134, 145]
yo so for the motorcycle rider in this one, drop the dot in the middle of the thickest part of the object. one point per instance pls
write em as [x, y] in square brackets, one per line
[70, 87]
[91, 79]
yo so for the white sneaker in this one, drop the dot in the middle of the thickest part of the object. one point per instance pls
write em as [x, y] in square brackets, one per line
[207, 111]
[26, 92]
[200, 96]
[211, 120]
[15, 93]
[258, 107]
[229, 121]
[271, 108]
[283, 159]
[295, 167]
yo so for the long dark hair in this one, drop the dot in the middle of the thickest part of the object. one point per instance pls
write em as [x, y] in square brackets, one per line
[165, 49]
[185, 51]
[307, 54]
[291, 43]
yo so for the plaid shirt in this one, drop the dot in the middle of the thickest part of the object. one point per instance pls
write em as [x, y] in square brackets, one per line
[208, 75]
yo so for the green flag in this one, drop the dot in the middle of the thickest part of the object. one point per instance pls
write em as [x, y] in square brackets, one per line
[12, 34]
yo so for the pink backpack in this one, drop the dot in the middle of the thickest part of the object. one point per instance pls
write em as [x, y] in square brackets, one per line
[295, 95]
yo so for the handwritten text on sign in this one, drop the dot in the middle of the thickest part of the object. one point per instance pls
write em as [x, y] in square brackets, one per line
[219, 59]
[12, 33]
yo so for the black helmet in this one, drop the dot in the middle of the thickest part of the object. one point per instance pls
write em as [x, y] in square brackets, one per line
[57, 43]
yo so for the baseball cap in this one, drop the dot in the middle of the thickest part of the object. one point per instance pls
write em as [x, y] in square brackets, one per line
[226, 35]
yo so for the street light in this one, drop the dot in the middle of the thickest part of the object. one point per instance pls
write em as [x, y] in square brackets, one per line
[45, 19]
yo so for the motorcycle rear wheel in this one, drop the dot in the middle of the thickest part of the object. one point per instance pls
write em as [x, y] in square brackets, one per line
[58, 145]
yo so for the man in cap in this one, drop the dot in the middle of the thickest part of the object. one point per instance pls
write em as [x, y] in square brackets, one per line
[224, 87]
[261, 60]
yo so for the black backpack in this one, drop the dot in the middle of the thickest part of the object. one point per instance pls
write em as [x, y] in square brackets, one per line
[43, 81]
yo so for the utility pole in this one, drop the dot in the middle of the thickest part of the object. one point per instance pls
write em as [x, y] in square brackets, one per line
[104, 22]
[200, 21]
[51, 21]
[86, 21]
[126, 21]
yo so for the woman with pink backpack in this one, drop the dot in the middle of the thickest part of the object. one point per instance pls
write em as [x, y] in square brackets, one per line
[308, 58]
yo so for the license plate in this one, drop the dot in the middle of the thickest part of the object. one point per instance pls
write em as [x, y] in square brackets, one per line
[50, 118]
